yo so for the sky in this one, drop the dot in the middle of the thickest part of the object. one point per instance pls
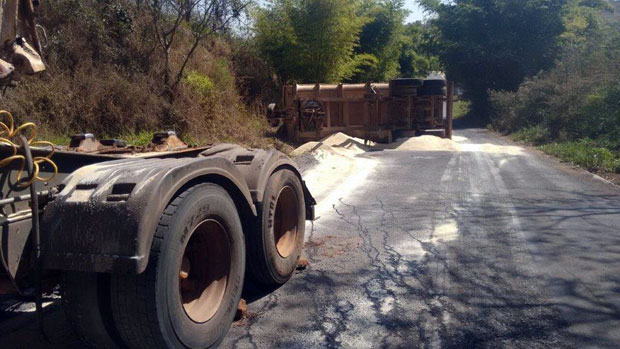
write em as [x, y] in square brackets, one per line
[416, 12]
[411, 5]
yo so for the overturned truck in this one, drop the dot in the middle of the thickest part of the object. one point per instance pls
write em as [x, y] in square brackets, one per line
[374, 111]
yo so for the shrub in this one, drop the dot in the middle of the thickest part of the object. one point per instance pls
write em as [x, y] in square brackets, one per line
[201, 84]
[461, 109]
[536, 135]
[584, 153]
[579, 98]
[222, 77]
[103, 77]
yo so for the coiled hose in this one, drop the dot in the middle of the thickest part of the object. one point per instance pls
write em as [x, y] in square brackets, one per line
[8, 133]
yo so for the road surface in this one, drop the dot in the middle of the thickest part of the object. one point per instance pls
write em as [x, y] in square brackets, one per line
[490, 246]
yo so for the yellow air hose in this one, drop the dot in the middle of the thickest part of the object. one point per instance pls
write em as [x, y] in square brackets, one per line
[8, 133]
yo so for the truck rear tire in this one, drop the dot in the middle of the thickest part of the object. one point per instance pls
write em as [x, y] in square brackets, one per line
[404, 91]
[86, 302]
[188, 295]
[432, 91]
[407, 82]
[277, 240]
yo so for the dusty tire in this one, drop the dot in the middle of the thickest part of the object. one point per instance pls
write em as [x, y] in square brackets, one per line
[86, 302]
[188, 294]
[407, 82]
[276, 242]
[404, 91]
[435, 83]
[405, 87]
[432, 91]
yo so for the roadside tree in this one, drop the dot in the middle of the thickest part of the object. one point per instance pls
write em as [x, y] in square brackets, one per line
[495, 44]
[310, 40]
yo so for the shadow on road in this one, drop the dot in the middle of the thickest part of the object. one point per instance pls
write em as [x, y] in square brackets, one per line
[535, 267]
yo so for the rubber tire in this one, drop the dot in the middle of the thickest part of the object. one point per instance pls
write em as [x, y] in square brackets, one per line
[404, 91]
[432, 91]
[86, 302]
[147, 307]
[435, 83]
[407, 82]
[265, 265]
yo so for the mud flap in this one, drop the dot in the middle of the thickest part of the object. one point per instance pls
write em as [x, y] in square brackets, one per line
[310, 203]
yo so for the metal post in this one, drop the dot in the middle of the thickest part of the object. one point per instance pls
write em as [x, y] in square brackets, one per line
[449, 109]
[432, 117]
[36, 237]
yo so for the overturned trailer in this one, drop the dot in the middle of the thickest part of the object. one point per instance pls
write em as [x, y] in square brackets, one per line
[373, 111]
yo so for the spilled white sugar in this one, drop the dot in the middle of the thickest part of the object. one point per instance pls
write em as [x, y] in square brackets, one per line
[340, 170]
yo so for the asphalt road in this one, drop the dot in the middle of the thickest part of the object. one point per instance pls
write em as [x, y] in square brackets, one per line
[483, 248]
[493, 246]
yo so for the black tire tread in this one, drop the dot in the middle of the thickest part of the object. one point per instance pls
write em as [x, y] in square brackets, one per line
[432, 91]
[404, 91]
[435, 83]
[407, 82]
[131, 292]
[83, 310]
[257, 267]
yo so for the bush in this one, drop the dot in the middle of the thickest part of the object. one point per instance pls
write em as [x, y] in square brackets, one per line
[461, 109]
[201, 84]
[104, 77]
[561, 111]
[222, 77]
[585, 153]
[536, 135]
[578, 99]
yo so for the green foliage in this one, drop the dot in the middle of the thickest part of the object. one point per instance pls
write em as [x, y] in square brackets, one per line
[585, 153]
[381, 38]
[416, 59]
[536, 135]
[309, 40]
[575, 105]
[57, 139]
[105, 77]
[219, 81]
[360, 66]
[579, 98]
[139, 139]
[461, 109]
[566, 111]
[200, 83]
[332, 41]
[222, 77]
[599, 116]
[494, 44]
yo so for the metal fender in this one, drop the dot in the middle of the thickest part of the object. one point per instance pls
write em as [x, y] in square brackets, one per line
[104, 218]
[257, 166]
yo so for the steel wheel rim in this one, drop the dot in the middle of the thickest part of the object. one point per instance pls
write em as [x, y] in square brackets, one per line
[204, 271]
[286, 222]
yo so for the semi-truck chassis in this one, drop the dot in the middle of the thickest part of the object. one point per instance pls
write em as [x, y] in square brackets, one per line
[151, 248]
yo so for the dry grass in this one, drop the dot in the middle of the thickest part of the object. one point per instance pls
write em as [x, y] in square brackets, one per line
[105, 77]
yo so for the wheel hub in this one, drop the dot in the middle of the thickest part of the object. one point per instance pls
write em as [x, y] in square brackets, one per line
[204, 271]
[286, 222]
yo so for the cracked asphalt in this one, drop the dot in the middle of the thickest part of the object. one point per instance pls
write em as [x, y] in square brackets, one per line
[478, 248]
[454, 249]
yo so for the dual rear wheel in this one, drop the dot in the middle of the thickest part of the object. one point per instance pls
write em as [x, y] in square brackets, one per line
[276, 242]
[188, 295]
